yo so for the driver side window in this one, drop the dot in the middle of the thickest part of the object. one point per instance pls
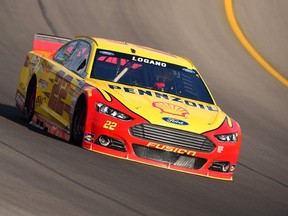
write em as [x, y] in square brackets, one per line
[65, 52]
[79, 58]
[74, 56]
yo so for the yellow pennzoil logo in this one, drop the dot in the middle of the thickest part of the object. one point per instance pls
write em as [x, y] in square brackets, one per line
[168, 97]
[171, 149]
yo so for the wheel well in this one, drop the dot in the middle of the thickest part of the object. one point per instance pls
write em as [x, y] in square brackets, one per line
[81, 100]
[29, 105]
[32, 81]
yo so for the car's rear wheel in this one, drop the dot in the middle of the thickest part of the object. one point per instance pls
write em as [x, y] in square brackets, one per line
[79, 119]
[30, 100]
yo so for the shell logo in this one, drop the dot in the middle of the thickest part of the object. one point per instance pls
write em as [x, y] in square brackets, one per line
[170, 108]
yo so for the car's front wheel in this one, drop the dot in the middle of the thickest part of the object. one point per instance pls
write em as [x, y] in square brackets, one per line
[78, 127]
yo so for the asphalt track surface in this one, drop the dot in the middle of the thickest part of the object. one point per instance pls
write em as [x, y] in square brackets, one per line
[41, 175]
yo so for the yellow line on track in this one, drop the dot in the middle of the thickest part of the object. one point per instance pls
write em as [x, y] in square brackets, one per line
[239, 34]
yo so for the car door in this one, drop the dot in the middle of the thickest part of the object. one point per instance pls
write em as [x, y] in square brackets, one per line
[67, 78]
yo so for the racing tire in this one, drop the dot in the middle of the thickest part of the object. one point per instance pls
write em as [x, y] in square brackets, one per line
[78, 127]
[30, 100]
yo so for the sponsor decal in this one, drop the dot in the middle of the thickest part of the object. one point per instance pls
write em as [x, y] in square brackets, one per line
[43, 83]
[35, 61]
[20, 100]
[39, 101]
[89, 137]
[45, 66]
[171, 149]
[89, 91]
[220, 149]
[149, 61]
[232, 168]
[170, 108]
[52, 129]
[189, 70]
[57, 131]
[106, 53]
[175, 121]
[155, 94]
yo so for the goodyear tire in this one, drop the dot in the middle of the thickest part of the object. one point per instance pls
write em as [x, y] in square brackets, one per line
[79, 123]
[30, 100]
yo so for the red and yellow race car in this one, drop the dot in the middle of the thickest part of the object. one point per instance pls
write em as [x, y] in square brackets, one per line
[128, 101]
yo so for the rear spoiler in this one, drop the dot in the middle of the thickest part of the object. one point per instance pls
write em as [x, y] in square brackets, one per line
[49, 43]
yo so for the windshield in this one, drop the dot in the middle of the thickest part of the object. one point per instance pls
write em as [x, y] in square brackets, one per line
[151, 74]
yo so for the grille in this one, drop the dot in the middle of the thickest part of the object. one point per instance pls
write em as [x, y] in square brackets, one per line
[169, 157]
[118, 145]
[173, 137]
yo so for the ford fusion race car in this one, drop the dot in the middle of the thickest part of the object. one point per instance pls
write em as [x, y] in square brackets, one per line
[128, 101]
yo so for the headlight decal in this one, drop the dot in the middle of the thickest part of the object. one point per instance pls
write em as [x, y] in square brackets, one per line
[105, 95]
[102, 108]
[232, 137]
[229, 122]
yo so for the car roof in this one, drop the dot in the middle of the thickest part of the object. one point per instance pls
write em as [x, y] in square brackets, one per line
[142, 51]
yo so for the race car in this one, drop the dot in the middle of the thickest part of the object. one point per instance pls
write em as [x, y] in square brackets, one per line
[128, 101]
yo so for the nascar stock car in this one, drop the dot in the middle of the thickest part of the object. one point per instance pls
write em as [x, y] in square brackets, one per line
[127, 101]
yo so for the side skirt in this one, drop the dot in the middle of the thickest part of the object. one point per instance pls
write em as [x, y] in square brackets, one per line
[52, 128]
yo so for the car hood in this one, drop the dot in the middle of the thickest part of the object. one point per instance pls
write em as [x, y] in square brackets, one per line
[165, 109]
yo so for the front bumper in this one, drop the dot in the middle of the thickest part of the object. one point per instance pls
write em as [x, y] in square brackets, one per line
[207, 159]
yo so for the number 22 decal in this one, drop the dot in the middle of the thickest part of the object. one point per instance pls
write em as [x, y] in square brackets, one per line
[110, 125]
[59, 93]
